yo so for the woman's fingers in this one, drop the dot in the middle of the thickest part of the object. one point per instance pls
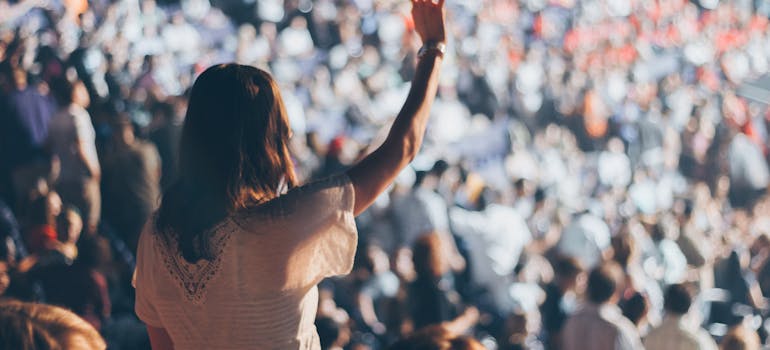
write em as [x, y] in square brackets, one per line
[418, 13]
[429, 19]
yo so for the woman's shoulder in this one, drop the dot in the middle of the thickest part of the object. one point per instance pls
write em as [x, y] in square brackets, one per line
[314, 197]
[326, 188]
[152, 239]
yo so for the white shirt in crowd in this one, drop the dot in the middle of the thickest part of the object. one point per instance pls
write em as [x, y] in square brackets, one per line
[614, 169]
[495, 238]
[585, 239]
[420, 212]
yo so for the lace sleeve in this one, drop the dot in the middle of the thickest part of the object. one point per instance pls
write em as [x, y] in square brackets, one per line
[332, 230]
[311, 230]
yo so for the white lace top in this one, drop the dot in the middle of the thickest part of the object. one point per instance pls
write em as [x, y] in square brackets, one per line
[259, 291]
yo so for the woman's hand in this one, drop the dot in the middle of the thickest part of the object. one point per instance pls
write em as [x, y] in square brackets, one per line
[428, 18]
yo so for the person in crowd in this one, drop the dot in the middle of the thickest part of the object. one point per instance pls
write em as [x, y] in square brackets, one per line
[587, 238]
[740, 338]
[335, 160]
[235, 168]
[495, 237]
[731, 273]
[667, 253]
[62, 249]
[525, 292]
[41, 232]
[332, 335]
[432, 296]
[378, 290]
[80, 286]
[69, 226]
[41, 326]
[131, 182]
[422, 210]
[600, 323]
[749, 173]
[71, 139]
[27, 109]
[679, 328]
[638, 287]
[521, 332]
[567, 284]
[637, 310]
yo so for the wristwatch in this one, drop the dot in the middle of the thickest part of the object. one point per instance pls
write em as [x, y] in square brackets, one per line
[437, 47]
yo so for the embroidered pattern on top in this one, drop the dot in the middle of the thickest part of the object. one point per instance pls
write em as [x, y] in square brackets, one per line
[194, 278]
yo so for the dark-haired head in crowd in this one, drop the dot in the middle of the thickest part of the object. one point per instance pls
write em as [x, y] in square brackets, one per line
[431, 293]
[680, 329]
[569, 277]
[604, 284]
[331, 334]
[600, 324]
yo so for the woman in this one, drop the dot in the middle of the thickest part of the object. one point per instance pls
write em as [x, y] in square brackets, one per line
[230, 261]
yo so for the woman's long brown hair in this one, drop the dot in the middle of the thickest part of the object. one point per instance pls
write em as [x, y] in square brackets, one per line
[234, 153]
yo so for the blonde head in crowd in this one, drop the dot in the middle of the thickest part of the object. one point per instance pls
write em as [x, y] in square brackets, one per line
[30, 326]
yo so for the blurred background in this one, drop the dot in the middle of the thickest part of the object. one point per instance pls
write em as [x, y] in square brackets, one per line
[566, 134]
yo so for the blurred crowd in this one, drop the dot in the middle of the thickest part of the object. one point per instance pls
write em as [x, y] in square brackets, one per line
[595, 172]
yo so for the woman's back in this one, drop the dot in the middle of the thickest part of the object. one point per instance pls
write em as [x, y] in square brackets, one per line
[258, 290]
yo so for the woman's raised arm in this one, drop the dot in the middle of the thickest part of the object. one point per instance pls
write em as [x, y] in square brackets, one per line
[376, 171]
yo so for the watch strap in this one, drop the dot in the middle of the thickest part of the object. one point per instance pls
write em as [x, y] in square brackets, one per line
[436, 47]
